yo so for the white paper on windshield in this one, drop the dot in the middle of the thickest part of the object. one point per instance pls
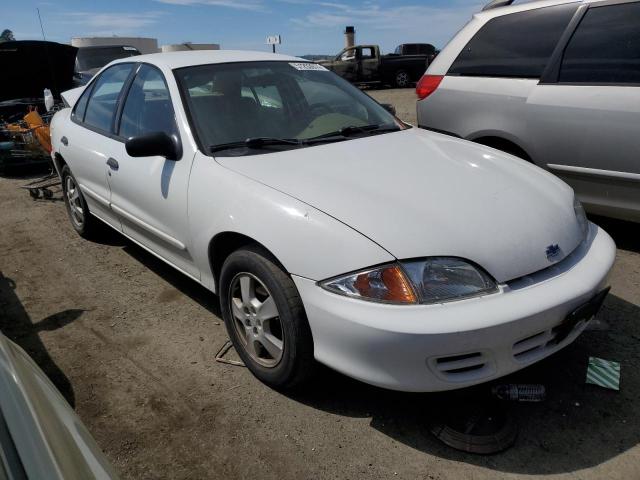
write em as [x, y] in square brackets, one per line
[308, 66]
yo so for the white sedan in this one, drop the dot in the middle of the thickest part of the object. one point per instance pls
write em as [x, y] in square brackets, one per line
[330, 230]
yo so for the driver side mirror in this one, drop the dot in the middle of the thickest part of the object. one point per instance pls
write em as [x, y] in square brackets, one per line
[389, 108]
[154, 144]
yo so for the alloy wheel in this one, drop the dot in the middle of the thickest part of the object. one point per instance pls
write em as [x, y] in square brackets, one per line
[256, 320]
[402, 79]
[73, 201]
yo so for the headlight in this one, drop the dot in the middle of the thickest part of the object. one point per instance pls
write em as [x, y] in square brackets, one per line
[431, 280]
[443, 279]
[383, 284]
[581, 216]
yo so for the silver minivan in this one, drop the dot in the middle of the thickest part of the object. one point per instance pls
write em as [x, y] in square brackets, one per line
[556, 82]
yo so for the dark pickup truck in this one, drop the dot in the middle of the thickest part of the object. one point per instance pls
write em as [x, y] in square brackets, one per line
[363, 64]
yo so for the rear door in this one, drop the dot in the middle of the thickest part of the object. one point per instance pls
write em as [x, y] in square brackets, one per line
[368, 64]
[586, 110]
[89, 142]
[150, 193]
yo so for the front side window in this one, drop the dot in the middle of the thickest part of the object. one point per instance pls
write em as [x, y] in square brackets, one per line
[348, 55]
[148, 107]
[230, 103]
[104, 97]
[514, 45]
[605, 48]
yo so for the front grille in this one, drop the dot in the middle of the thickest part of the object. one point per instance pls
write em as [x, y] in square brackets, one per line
[536, 346]
[463, 367]
[530, 348]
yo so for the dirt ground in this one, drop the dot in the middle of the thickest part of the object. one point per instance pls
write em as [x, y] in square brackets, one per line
[131, 344]
[404, 99]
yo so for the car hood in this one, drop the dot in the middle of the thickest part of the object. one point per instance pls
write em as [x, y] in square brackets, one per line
[29, 66]
[419, 194]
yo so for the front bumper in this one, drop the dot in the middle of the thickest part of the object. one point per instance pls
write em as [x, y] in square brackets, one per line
[447, 346]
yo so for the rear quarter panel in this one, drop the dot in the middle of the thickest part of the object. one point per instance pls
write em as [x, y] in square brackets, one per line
[475, 107]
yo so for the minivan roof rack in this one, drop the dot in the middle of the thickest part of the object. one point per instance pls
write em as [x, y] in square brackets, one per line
[497, 3]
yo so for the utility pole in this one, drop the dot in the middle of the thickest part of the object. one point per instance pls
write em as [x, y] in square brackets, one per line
[41, 27]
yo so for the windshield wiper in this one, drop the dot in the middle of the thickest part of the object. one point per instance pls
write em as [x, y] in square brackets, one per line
[350, 130]
[256, 142]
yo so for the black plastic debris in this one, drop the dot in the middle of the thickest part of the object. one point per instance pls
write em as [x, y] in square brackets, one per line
[486, 427]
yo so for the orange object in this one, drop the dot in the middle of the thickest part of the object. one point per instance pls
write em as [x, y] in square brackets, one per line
[398, 288]
[40, 129]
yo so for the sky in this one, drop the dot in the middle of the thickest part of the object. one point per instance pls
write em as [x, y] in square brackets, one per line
[306, 26]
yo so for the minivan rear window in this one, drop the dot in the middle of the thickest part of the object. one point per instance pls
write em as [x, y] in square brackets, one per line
[514, 45]
[605, 48]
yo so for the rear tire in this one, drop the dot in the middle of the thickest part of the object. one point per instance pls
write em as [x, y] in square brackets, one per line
[265, 319]
[81, 219]
[402, 79]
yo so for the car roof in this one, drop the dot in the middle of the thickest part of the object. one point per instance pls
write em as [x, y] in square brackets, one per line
[522, 7]
[173, 60]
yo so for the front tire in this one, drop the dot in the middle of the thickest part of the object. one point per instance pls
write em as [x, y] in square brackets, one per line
[81, 220]
[265, 319]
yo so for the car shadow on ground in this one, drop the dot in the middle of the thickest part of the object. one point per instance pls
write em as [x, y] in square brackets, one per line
[625, 234]
[16, 325]
[181, 282]
[577, 427]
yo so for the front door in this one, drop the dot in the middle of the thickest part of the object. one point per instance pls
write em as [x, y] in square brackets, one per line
[346, 64]
[150, 193]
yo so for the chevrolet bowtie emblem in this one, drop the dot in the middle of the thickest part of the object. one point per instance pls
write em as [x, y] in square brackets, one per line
[552, 252]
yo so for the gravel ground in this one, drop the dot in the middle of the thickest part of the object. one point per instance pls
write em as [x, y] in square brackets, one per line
[131, 344]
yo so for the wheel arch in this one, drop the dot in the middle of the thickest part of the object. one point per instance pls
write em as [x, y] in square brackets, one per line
[225, 243]
[503, 144]
[58, 163]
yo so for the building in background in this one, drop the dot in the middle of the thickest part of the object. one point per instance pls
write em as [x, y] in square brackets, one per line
[144, 45]
[181, 47]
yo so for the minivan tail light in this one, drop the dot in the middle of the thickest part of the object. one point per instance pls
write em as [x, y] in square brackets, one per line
[427, 85]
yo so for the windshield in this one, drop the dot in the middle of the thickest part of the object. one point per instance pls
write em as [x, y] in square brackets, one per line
[286, 103]
[90, 58]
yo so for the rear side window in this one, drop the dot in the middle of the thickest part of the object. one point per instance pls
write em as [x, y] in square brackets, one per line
[515, 45]
[81, 105]
[410, 49]
[104, 98]
[605, 48]
[426, 49]
[367, 53]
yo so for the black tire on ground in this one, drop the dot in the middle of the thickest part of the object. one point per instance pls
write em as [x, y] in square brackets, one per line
[402, 79]
[296, 364]
[88, 226]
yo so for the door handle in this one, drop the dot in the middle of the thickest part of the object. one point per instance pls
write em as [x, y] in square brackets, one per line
[64, 141]
[113, 164]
